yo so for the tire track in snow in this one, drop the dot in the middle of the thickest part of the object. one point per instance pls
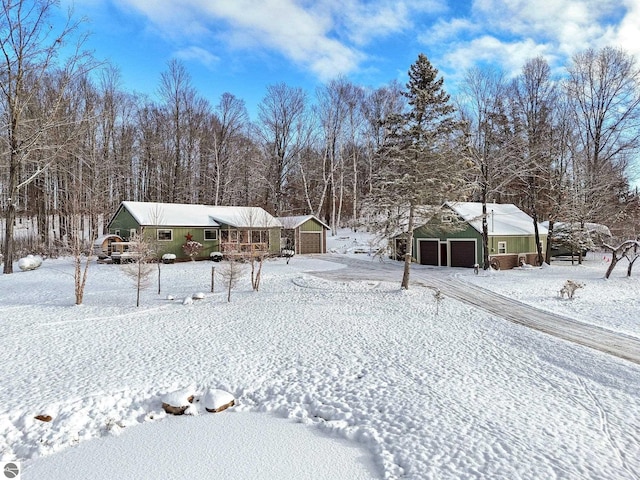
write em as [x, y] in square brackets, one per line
[601, 339]
[606, 430]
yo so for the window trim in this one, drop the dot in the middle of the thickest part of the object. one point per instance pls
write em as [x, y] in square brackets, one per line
[210, 230]
[170, 239]
[502, 246]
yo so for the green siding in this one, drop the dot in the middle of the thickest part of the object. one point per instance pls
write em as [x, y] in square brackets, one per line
[516, 244]
[179, 238]
[311, 225]
[123, 221]
[274, 240]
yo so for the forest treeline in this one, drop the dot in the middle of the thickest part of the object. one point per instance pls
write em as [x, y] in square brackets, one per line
[75, 144]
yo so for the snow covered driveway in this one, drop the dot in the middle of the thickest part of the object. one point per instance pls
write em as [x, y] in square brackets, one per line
[449, 282]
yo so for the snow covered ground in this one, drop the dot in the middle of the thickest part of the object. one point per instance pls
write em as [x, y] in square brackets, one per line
[417, 389]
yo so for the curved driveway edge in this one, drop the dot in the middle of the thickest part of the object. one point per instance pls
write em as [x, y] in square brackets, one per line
[598, 338]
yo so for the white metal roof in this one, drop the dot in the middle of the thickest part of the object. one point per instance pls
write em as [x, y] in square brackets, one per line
[297, 220]
[188, 215]
[502, 218]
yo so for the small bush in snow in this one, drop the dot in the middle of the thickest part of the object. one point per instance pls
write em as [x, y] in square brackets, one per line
[168, 258]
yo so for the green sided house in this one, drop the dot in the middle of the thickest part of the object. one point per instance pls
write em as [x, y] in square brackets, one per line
[225, 229]
[454, 237]
[304, 234]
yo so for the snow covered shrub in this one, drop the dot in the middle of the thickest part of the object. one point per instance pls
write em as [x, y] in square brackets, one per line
[215, 256]
[192, 248]
[30, 262]
[168, 258]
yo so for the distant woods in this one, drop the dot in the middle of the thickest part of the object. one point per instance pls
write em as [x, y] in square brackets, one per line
[74, 143]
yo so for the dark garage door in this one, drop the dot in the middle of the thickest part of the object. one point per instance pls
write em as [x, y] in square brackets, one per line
[429, 252]
[310, 243]
[463, 253]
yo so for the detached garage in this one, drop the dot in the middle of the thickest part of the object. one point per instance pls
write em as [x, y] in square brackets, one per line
[304, 234]
[454, 237]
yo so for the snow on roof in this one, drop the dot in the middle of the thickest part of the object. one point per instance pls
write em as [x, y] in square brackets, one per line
[102, 238]
[244, 217]
[297, 220]
[589, 227]
[502, 218]
[189, 215]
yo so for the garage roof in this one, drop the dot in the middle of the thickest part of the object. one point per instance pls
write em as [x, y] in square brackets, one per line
[297, 220]
[502, 218]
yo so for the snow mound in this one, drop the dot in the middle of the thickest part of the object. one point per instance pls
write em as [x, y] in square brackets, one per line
[30, 262]
[215, 400]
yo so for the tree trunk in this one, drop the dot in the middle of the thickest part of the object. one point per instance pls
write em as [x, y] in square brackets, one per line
[485, 233]
[408, 254]
[549, 235]
[10, 218]
[612, 265]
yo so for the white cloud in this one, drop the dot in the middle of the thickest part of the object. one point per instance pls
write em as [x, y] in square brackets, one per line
[506, 33]
[571, 25]
[510, 56]
[326, 37]
[199, 54]
[627, 33]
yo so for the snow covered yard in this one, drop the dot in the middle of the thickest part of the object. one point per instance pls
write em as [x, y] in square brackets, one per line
[457, 394]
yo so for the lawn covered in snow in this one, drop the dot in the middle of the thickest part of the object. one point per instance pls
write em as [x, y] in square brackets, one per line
[421, 392]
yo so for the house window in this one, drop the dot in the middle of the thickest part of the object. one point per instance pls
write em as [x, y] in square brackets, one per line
[132, 232]
[259, 236]
[116, 232]
[210, 235]
[229, 236]
[502, 247]
[165, 235]
[446, 218]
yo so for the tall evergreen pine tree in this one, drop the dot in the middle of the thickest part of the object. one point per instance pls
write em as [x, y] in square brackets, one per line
[419, 172]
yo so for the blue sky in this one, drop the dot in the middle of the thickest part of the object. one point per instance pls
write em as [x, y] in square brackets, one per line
[242, 46]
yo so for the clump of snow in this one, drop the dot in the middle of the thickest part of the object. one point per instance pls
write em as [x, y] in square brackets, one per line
[187, 301]
[30, 262]
[198, 296]
[169, 256]
[214, 398]
[179, 398]
[170, 297]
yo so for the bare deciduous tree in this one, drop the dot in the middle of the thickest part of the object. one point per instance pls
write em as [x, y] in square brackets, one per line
[604, 90]
[138, 267]
[29, 48]
[486, 147]
[283, 129]
[231, 271]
